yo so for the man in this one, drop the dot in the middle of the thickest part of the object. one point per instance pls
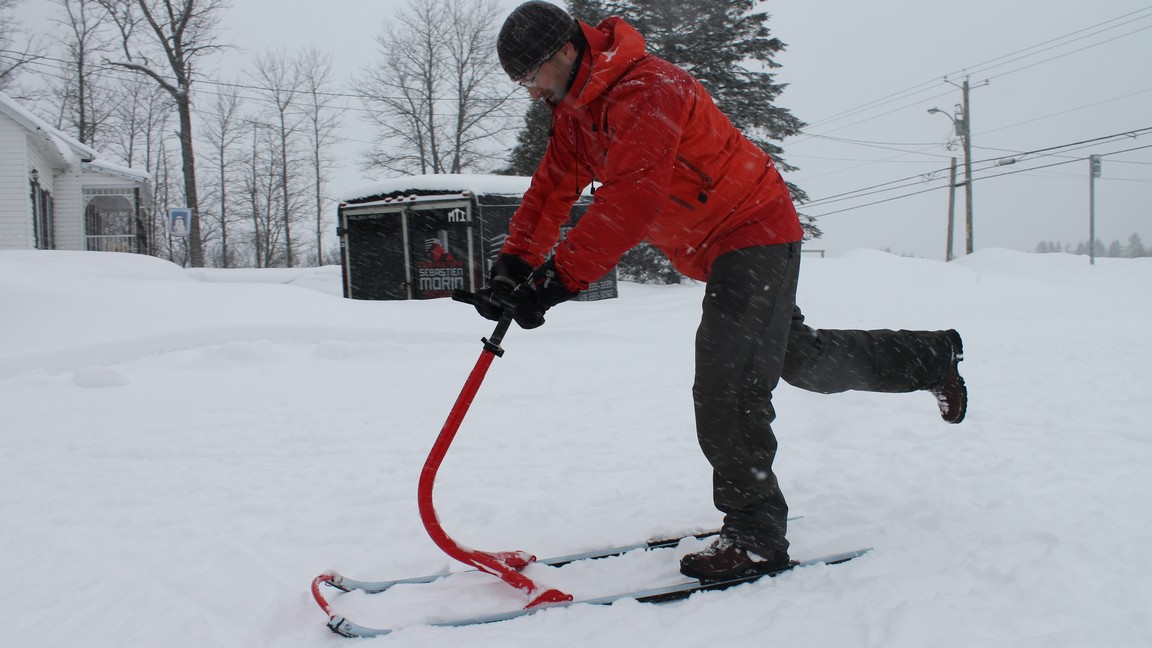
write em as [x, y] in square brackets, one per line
[675, 172]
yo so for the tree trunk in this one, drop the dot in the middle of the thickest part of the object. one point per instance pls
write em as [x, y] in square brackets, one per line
[195, 245]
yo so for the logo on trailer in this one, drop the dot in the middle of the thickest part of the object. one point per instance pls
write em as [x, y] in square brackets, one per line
[440, 272]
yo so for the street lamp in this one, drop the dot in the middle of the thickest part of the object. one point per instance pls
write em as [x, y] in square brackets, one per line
[963, 127]
[948, 256]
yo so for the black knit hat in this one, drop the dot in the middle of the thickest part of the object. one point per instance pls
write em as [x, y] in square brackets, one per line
[533, 32]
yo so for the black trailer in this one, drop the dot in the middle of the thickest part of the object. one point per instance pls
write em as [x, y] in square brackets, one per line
[421, 237]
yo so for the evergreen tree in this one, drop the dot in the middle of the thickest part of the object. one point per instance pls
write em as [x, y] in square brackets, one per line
[646, 264]
[729, 48]
[1135, 247]
[594, 11]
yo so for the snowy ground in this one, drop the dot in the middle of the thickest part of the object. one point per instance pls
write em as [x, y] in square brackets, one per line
[181, 452]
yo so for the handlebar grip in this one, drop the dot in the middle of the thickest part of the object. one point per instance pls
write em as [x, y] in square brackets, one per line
[462, 295]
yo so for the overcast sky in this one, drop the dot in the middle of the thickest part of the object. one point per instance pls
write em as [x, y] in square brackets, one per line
[863, 76]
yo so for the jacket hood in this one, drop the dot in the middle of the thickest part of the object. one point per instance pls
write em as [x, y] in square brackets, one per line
[613, 47]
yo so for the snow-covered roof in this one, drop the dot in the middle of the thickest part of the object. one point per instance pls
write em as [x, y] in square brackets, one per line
[442, 183]
[108, 168]
[67, 151]
[447, 183]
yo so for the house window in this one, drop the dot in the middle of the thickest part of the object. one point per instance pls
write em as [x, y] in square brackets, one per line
[43, 226]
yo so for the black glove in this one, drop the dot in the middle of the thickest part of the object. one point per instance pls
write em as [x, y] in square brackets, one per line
[541, 291]
[508, 271]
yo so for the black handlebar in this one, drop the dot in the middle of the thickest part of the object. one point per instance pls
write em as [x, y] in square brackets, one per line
[462, 295]
[491, 344]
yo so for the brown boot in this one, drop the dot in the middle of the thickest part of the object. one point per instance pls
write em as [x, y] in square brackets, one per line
[725, 559]
[951, 394]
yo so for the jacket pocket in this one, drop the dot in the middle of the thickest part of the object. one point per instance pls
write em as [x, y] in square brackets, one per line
[706, 184]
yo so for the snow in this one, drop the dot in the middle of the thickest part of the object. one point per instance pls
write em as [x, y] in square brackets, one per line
[71, 149]
[104, 166]
[447, 183]
[182, 451]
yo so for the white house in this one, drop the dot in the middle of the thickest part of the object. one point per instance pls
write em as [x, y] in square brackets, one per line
[57, 194]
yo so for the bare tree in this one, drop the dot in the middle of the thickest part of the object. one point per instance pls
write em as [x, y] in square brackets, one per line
[16, 50]
[224, 130]
[280, 86]
[139, 121]
[322, 121]
[437, 96]
[253, 195]
[85, 104]
[180, 32]
[263, 196]
[138, 131]
[482, 109]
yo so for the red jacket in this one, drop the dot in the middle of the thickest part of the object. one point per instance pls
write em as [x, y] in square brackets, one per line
[674, 170]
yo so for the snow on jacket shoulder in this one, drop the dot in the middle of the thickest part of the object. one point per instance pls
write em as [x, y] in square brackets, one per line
[674, 170]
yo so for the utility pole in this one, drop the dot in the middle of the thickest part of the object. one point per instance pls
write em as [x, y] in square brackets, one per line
[948, 256]
[962, 121]
[966, 136]
[1093, 173]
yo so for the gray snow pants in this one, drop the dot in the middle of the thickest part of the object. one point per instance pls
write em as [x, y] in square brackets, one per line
[751, 335]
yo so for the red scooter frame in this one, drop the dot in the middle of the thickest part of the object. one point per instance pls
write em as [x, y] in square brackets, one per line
[504, 564]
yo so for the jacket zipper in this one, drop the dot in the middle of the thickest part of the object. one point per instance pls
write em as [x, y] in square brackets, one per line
[706, 184]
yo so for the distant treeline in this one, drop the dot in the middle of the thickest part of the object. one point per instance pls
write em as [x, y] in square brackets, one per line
[1135, 248]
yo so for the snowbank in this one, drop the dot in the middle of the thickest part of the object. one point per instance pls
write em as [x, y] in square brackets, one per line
[181, 451]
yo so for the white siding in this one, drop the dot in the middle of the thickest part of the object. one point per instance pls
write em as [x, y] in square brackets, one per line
[69, 211]
[15, 205]
[26, 144]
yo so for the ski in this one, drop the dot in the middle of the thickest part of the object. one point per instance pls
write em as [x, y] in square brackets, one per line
[343, 583]
[342, 626]
[375, 587]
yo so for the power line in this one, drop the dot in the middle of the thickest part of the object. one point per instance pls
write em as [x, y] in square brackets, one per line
[892, 146]
[1058, 56]
[1130, 133]
[805, 134]
[862, 161]
[1065, 112]
[877, 202]
[1110, 153]
[108, 71]
[991, 64]
[1055, 42]
[924, 191]
[903, 183]
[870, 143]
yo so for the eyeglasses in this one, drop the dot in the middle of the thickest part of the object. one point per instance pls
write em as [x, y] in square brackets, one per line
[530, 81]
